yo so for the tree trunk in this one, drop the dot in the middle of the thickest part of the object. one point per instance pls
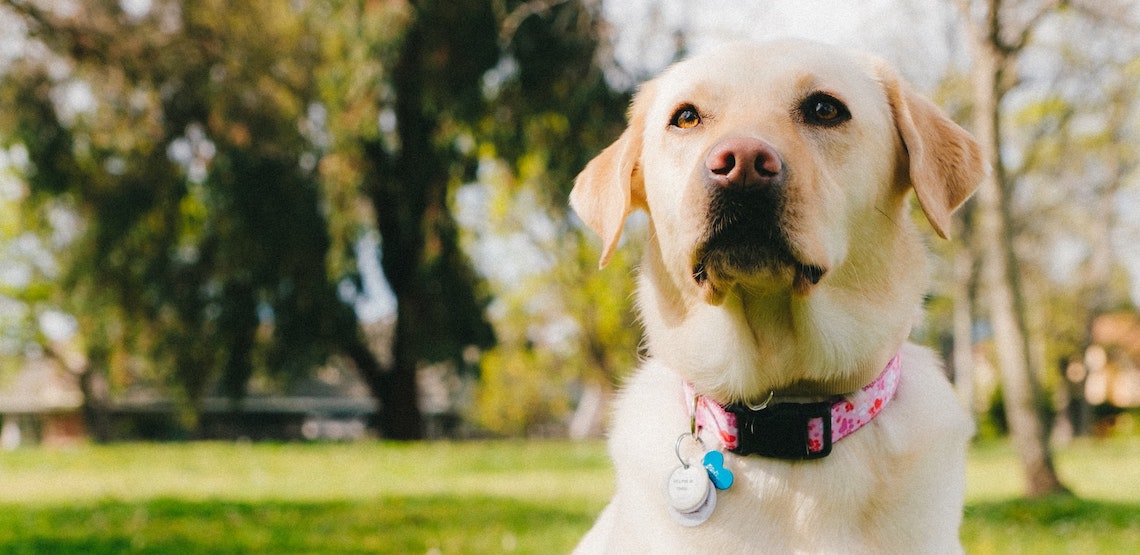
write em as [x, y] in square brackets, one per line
[96, 409]
[403, 186]
[963, 357]
[91, 374]
[1024, 400]
[439, 312]
[419, 250]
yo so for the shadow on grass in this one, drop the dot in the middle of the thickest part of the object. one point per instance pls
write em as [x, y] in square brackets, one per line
[1060, 524]
[444, 524]
[471, 524]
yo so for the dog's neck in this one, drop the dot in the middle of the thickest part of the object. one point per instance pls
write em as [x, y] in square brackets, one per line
[832, 341]
[825, 388]
[839, 347]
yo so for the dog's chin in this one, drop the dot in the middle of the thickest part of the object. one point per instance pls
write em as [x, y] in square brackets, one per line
[715, 272]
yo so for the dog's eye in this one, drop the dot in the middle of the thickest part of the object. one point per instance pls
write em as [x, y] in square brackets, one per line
[824, 110]
[686, 117]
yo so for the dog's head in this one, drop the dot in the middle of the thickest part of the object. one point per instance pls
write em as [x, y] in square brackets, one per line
[778, 173]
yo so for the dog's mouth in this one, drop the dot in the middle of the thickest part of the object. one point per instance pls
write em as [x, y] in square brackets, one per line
[746, 240]
[715, 271]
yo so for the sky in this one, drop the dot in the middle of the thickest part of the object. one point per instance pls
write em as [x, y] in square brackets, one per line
[912, 34]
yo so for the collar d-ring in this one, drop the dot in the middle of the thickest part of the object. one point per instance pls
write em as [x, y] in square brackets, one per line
[761, 406]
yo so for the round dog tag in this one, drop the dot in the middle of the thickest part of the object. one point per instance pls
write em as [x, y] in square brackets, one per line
[688, 488]
[699, 515]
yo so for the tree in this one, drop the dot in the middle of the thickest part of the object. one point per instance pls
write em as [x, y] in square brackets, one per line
[471, 84]
[996, 45]
[192, 171]
[420, 83]
[251, 151]
[1050, 153]
[566, 331]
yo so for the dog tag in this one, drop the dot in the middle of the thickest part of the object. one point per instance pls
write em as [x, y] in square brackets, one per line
[720, 476]
[701, 512]
[688, 488]
[692, 495]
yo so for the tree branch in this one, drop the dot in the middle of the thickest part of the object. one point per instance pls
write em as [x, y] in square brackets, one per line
[514, 20]
[1105, 11]
[79, 41]
[1025, 34]
[28, 12]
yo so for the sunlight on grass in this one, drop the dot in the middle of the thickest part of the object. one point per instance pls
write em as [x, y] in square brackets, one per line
[496, 497]
[480, 497]
[252, 472]
[1105, 470]
[1104, 517]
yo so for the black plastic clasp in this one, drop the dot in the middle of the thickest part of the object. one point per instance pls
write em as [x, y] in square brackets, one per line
[781, 431]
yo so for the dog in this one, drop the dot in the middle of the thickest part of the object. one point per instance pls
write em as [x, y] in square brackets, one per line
[781, 408]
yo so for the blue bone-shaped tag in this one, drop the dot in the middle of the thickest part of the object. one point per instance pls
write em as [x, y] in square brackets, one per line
[714, 463]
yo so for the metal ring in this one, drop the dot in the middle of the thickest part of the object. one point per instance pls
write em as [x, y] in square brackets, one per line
[677, 447]
[693, 416]
[763, 405]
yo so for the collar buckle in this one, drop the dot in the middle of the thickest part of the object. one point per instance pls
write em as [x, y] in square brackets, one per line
[783, 431]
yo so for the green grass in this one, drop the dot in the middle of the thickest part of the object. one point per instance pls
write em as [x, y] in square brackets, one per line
[493, 497]
[1104, 517]
[522, 497]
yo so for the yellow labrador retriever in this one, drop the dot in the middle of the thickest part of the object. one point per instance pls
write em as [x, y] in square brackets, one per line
[781, 409]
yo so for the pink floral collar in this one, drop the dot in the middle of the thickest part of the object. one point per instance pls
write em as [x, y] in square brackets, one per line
[795, 431]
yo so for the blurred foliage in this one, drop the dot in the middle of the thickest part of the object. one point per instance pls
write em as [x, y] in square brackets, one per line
[563, 324]
[177, 138]
[1069, 129]
[221, 161]
[189, 147]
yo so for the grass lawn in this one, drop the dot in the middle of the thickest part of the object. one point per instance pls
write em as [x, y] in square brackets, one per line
[494, 497]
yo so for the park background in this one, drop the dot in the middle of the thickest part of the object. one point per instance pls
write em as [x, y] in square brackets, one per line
[314, 225]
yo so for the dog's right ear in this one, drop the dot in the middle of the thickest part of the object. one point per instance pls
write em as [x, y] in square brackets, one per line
[610, 187]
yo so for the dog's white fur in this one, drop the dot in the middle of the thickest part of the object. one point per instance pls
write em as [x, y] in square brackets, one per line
[895, 486]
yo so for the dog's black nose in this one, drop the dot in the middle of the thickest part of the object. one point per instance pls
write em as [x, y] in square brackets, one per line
[743, 162]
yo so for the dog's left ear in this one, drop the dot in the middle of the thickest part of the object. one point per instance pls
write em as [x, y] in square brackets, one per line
[945, 163]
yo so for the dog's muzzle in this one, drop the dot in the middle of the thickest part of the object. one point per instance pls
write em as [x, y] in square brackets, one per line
[745, 225]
